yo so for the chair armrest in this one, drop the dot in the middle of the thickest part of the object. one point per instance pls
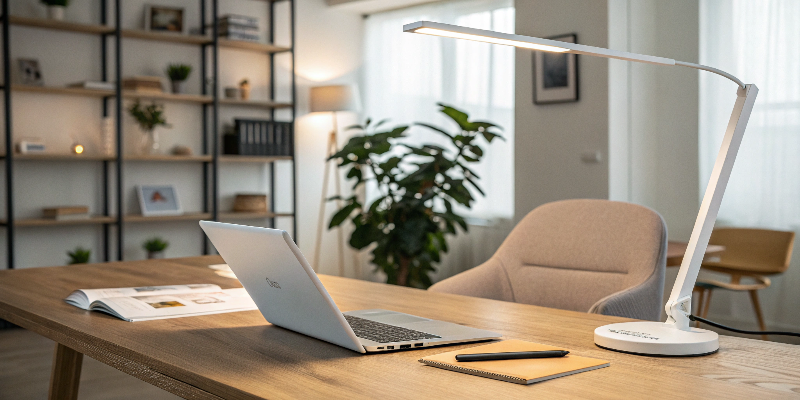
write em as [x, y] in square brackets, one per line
[643, 301]
[488, 280]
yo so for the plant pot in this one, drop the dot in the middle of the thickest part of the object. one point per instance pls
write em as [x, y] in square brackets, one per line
[149, 143]
[244, 92]
[56, 12]
[155, 255]
[177, 87]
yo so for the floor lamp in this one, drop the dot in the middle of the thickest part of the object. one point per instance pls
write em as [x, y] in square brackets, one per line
[674, 337]
[332, 99]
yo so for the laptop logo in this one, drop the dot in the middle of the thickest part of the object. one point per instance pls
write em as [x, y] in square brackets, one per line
[273, 284]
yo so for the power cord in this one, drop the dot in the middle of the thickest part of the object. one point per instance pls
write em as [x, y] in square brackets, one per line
[728, 328]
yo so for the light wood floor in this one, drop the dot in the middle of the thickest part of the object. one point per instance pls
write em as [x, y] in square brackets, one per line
[25, 360]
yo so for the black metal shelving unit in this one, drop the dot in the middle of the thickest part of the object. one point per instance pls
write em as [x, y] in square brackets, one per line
[210, 103]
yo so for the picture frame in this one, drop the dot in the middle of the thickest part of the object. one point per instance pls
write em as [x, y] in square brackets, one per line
[29, 72]
[157, 200]
[555, 75]
[159, 18]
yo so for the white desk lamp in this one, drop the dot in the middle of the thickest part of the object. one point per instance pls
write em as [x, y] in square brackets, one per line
[674, 337]
[332, 99]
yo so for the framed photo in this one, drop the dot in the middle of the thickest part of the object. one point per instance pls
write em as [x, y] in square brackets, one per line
[164, 19]
[555, 75]
[158, 200]
[29, 72]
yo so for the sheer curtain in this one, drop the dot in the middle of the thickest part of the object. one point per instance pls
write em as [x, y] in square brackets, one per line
[759, 42]
[406, 75]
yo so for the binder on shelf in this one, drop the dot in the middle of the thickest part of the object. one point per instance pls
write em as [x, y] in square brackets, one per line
[255, 137]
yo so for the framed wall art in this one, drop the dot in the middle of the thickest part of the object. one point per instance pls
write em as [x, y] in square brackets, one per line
[555, 75]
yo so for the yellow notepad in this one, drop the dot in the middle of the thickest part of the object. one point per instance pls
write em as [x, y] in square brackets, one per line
[525, 371]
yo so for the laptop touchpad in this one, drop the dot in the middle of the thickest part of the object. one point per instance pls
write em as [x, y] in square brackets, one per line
[395, 318]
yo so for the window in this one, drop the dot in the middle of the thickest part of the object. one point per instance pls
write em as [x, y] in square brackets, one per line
[758, 43]
[406, 75]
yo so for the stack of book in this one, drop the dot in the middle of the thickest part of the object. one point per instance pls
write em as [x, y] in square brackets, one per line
[253, 137]
[238, 27]
[143, 84]
[66, 213]
[97, 85]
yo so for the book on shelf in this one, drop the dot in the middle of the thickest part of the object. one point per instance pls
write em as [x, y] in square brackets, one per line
[96, 85]
[143, 84]
[147, 303]
[238, 20]
[245, 37]
[253, 137]
[66, 212]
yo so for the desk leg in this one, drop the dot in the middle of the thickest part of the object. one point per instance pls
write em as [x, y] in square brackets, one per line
[66, 373]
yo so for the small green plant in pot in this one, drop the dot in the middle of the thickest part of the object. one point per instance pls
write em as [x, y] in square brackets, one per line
[178, 73]
[79, 255]
[149, 117]
[55, 8]
[155, 247]
[408, 224]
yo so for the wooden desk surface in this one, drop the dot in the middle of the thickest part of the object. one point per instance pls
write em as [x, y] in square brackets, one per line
[241, 356]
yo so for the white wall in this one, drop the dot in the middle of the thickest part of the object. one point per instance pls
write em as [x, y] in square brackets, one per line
[328, 47]
[551, 138]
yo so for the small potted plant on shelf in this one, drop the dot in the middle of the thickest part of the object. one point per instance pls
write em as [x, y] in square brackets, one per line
[55, 8]
[177, 74]
[155, 247]
[149, 117]
[79, 255]
[244, 89]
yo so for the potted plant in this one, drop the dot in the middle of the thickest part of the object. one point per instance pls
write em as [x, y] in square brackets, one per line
[408, 223]
[55, 8]
[149, 117]
[177, 74]
[244, 89]
[79, 255]
[155, 247]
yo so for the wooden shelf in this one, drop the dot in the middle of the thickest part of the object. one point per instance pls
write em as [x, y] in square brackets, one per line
[61, 25]
[255, 103]
[94, 220]
[252, 46]
[166, 37]
[72, 91]
[61, 157]
[162, 218]
[251, 215]
[253, 159]
[169, 158]
[187, 98]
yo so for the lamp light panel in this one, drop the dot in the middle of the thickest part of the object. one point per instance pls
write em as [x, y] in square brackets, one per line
[487, 39]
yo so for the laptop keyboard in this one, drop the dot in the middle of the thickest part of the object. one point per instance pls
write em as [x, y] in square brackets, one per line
[384, 333]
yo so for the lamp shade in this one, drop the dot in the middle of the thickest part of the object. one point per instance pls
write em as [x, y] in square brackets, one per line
[334, 98]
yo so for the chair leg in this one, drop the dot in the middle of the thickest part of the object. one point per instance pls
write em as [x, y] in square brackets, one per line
[708, 303]
[700, 295]
[757, 308]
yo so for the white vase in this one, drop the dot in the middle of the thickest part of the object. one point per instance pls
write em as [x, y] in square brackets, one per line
[177, 87]
[56, 12]
[149, 143]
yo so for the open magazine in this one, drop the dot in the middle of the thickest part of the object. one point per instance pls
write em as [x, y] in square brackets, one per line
[158, 302]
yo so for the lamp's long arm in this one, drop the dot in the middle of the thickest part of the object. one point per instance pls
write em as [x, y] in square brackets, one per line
[678, 306]
[710, 69]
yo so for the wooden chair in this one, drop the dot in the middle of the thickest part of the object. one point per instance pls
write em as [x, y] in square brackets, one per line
[749, 253]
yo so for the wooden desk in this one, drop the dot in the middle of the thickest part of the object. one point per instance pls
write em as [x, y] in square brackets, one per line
[676, 251]
[240, 356]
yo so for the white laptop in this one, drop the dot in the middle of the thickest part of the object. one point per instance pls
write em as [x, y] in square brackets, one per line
[290, 295]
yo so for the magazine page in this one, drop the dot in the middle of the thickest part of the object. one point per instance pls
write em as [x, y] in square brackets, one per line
[84, 297]
[174, 305]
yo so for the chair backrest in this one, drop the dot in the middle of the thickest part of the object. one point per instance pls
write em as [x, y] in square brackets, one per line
[757, 251]
[570, 254]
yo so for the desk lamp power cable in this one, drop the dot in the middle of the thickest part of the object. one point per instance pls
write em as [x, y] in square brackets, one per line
[728, 328]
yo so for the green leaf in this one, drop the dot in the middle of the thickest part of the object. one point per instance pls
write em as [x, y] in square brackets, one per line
[440, 130]
[342, 215]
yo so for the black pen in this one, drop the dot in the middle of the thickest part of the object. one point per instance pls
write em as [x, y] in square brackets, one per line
[516, 355]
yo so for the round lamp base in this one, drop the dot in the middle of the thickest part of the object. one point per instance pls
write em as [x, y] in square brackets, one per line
[656, 339]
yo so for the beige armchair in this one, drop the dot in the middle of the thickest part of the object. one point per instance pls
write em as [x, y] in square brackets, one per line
[596, 256]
